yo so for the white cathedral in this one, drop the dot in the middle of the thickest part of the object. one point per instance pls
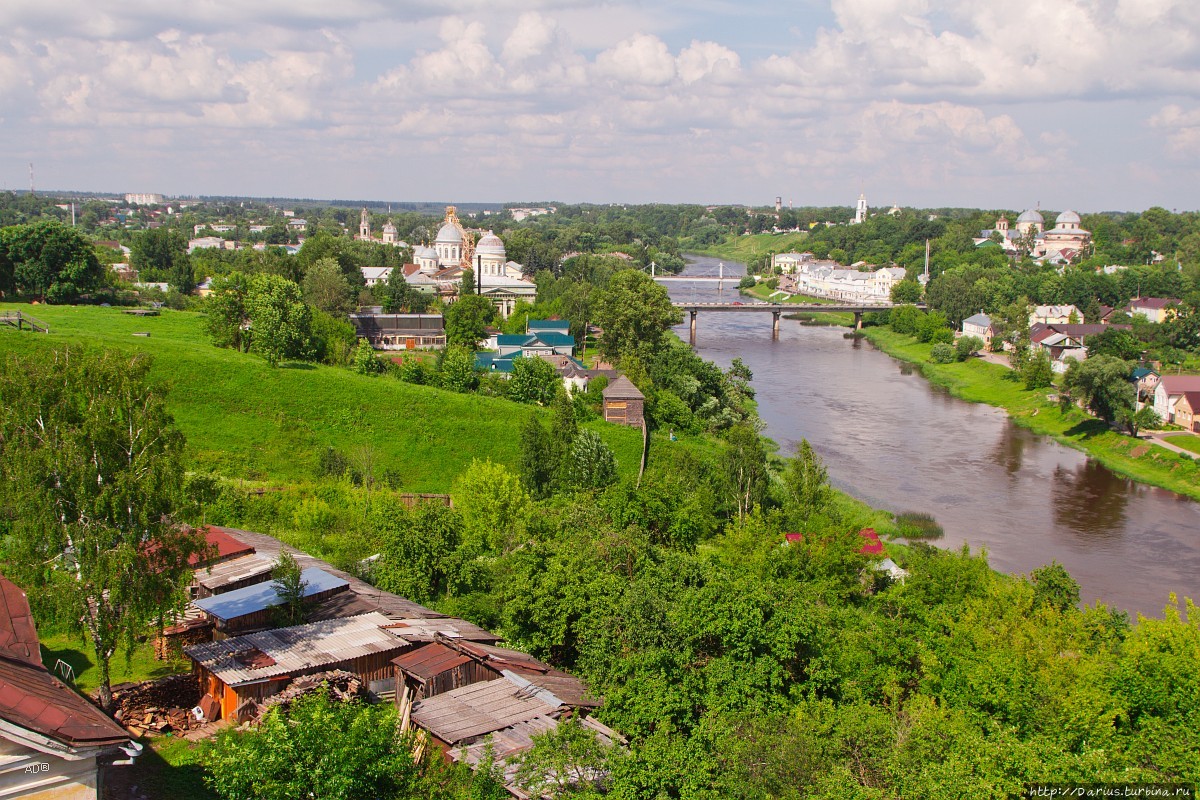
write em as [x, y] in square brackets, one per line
[454, 250]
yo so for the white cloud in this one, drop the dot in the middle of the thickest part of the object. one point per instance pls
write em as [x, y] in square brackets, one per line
[914, 91]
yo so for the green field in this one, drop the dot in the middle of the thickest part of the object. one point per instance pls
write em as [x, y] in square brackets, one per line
[1186, 441]
[244, 419]
[980, 382]
[744, 248]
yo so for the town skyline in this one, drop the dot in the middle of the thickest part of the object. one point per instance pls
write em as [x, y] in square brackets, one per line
[916, 103]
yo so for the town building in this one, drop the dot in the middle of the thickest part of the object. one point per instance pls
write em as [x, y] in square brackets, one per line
[53, 741]
[624, 404]
[440, 267]
[143, 199]
[1169, 390]
[979, 325]
[1154, 309]
[400, 331]
[389, 236]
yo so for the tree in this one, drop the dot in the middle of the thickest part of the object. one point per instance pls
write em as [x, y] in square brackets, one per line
[467, 283]
[1036, 370]
[1102, 384]
[159, 253]
[589, 464]
[225, 315]
[1053, 587]
[1134, 420]
[633, 310]
[537, 466]
[364, 361]
[1116, 343]
[533, 381]
[319, 748]
[91, 469]
[566, 761]
[289, 588]
[807, 483]
[494, 507]
[326, 288]
[280, 322]
[906, 291]
[904, 319]
[745, 468]
[397, 295]
[51, 260]
[458, 372]
[467, 319]
[967, 346]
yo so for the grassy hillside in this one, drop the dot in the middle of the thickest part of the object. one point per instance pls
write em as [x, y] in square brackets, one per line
[744, 248]
[244, 419]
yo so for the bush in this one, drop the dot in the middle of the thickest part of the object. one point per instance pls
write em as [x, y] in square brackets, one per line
[918, 525]
[967, 346]
[747, 282]
[333, 339]
[365, 362]
[904, 319]
[942, 353]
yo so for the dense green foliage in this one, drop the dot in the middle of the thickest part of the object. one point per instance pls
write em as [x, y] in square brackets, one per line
[91, 471]
[49, 260]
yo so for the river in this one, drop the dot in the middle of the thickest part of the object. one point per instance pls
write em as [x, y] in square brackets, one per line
[895, 441]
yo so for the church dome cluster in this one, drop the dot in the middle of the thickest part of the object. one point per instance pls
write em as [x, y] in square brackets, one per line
[1032, 217]
[1067, 218]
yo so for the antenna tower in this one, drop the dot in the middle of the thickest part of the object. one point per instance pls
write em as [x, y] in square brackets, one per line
[31, 191]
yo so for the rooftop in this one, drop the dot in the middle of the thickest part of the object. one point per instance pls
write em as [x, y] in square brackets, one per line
[33, 699]
[285, 651]
[241, 602]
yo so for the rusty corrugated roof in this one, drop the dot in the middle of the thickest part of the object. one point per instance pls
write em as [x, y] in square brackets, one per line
[429, 660]
[32, 698]
[296, 649]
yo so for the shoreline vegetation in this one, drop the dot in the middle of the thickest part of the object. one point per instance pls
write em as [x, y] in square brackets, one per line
[979, 381]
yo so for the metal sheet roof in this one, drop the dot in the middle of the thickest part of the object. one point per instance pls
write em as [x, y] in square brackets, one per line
[391, 605]
[295, 649]
[233, 571]
[241, 602]
[429, 660]
[479, 709]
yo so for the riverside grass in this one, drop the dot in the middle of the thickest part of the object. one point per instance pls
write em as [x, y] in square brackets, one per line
[978, 381]
[244, 419]
[745, 248]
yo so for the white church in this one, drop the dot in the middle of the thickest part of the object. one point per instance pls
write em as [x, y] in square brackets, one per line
[456, 249]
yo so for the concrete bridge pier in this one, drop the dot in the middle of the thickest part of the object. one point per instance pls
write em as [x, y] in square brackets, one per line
[692, 336]
[858, 320]
[775, 315]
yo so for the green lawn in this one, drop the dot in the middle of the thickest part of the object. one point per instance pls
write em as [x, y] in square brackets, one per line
[981, 382]
[244, 419]
[143, 666]
[1187, 441]
[744, 248]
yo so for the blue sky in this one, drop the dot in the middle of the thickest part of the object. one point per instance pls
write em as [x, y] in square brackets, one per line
[1085, 104]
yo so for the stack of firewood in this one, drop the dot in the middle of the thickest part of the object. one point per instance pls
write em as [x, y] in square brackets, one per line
[161, 706]
[340, 685]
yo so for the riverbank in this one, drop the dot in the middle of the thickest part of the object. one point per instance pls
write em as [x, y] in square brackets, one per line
[980, 382]
[746, 248]
[761, 291]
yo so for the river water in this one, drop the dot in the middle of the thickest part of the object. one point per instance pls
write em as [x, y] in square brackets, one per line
[890, 438]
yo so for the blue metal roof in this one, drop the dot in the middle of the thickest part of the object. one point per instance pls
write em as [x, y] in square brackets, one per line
[506, 339]
[241, 602]
[535, 325]
[554, 339]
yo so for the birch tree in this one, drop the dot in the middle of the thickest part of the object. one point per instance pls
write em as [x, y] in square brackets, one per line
[90, 472]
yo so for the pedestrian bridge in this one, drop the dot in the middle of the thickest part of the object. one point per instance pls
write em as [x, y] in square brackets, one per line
[777, 310]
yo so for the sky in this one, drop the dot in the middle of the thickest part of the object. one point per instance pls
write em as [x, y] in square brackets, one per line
[1086, 104]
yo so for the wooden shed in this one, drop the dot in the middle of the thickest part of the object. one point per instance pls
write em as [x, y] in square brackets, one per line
[253, 667]
[624, 404]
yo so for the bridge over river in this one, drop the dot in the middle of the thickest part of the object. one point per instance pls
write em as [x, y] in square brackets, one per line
[776, 310]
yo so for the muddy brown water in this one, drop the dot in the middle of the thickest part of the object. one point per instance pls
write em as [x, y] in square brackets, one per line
[895, 441]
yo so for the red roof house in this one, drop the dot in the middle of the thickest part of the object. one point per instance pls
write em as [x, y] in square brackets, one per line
[871, 545]
[54, 734]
